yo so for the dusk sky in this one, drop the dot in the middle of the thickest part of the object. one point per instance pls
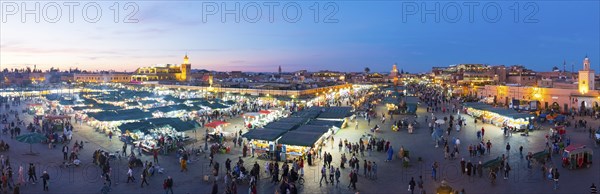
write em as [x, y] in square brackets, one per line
[367, 34]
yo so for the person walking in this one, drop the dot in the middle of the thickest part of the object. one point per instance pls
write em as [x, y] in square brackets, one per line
[46, 180]
[65, 151]
[506, 170]
[323, 176]
[215, 188]
[183, 164]
[130, 175]
[420, 184]
[107, 180]
[434, 167]
[374, 170]
[482, 132]
[31, 172]
[521, 151]
[144, 178]
[331, 174]
[488, 147]
[155, 156]
[411, 185]
[507, 149]
[555, 176]
[168, 185]
[354, 179]
[21, 178]
[337, 176]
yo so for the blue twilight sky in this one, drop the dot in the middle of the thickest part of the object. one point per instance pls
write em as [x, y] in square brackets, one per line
[359, 34]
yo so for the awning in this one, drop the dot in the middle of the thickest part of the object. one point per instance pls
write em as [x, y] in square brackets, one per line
[313, 129]
[297, 138]
[216, 124]
[145, 125]
[330, 124]
[264, 134]
[281, 126]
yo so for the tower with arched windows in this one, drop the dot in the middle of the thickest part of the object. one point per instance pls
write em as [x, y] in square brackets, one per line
[586, 77]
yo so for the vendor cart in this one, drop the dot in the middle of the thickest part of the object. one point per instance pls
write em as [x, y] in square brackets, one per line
[491, 164]
[540, 156]
[577, 156]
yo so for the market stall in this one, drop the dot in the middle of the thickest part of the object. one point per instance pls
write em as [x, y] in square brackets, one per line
[35, 109]
[264, 140]
[498, 116]
[297, 143]
[217, 128]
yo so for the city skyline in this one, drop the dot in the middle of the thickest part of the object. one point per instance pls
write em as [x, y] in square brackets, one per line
[360, 35]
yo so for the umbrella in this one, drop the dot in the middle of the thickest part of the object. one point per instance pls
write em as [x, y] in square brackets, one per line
[440, 121]
[31, 138]
[215, 124]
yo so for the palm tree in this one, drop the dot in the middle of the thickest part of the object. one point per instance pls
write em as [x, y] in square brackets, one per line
[367, 70]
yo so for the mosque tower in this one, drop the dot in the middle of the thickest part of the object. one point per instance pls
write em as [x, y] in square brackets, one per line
[586, 77]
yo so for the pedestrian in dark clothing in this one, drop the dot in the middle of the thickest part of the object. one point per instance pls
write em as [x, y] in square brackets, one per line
[354, 180]
[65, 152]
[593, 189]
[45, 178]
[31, 173]
[215, 188]
[144, 176]
[411, 185]
[462, 165]
[168, 185]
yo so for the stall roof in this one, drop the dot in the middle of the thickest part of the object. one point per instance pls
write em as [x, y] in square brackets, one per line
[335, 113]
[172, 98]
[281, 126]
[313, 129]
[307, 113]
[298, 138]
[212, 105]
[147, 102]
[264, 134]
[52, 97]
[121, 115]
[477, 105]
[293, 120]
[145, 125]
[337, 124]
[172, 108]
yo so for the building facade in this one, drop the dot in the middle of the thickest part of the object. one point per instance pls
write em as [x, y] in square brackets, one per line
[166, 72]
[562, 96]
[102, 77]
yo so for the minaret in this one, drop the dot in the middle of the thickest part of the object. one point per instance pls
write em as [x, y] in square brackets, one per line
[586, 77]
[186, 59]
[185, 68]
[394, 74]
[279, 70]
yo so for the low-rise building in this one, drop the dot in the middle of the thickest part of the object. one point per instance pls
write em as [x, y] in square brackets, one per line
[102, 77]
